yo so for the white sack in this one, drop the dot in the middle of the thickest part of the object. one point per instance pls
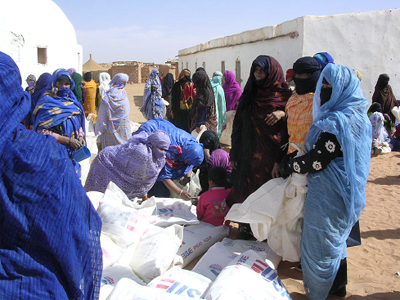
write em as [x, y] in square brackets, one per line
[197, 239]
[127, 289]
[193, 187]
[170, 211]
[155, 251]
[95, 198]
[112, 275]
[227, 132]
[111, 252]
[247, 277]
[182, 282]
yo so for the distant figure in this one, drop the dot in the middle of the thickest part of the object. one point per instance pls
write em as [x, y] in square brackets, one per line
[31, 81]
[220, 103]
[380, 136]
[383, 95]
[77, 78]
[89, 104]
[58, 113]
[212, 207]
[103, 87]
[153, 105]
[182, 99]
[323, 59]
[50, 232]
[71, 71]
[167, 85]
[133, 166]
[113, 126]
[203, 110]
[232, 90]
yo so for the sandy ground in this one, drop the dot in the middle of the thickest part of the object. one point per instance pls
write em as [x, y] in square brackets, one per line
[373, 267]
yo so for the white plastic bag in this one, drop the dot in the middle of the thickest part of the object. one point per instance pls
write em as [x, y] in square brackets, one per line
[111, 252]
[95, 198]
[155, 251]
[227, 132]
[196, 134]
[193, 187]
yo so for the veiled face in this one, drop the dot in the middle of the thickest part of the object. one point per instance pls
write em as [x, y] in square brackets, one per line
[259, 73]
[63, 84]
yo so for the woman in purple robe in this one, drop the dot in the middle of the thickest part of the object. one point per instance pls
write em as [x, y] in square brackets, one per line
[133, 166]
[232, 90]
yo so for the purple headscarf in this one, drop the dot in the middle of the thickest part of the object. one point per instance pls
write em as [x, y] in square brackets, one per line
[133, 166]
[219, 158]
[232, 90]
[71, 71]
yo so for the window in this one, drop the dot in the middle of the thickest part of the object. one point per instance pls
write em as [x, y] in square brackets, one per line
[238, 72]
[204, 65]
[222, 67]
[42, 55]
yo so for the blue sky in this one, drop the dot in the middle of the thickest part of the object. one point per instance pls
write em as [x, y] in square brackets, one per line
[154, 31]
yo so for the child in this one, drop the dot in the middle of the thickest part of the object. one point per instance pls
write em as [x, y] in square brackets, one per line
[212, 207]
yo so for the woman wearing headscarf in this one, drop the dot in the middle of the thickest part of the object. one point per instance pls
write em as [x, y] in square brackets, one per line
[220, 103]
[50, 232]
[298, 109]
[104, 86]
[337, 163]
[42, 85]
[232, 90]
[77, 78]
[324, 58]
[113, 125]
[167, 85]
[31, 81]
[181, 100]
[71, 71]
[153, 105]
[203, 110]
[383, 95]
[258, 129]
[59, 114]
[380, 136]
[183, 154]
[90, 101]
[133, 166]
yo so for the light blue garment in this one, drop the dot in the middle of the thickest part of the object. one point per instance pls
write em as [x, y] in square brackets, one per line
[336, 195]
[379, 132]
[220, 103]
[153, 105]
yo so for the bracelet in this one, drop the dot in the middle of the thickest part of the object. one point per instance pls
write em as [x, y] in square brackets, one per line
[180, 193]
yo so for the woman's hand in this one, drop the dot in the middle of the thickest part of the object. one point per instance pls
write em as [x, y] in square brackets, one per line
[185, 195]
[274, 117]
[185, 180]
[82, 140]
[75, 144]
[275, 171]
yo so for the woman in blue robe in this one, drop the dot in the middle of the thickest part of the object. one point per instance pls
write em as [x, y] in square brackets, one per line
[50, 232]
[338, 159]
[61, 115]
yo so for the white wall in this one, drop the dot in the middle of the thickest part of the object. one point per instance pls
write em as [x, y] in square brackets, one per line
[26, 25]
[283, 42]
[367, 42]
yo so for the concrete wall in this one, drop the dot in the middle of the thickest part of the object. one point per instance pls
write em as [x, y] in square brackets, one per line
[364, 41]
[26, 25]
[367, 42]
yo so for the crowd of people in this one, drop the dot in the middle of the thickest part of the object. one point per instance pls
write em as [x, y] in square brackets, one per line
[319, 105]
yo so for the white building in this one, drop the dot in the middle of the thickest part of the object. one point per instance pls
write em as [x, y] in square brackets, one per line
[39, 37]
[366, 41]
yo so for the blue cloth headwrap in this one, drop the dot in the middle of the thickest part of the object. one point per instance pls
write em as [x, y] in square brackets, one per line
[50, 232]
[153, 105]
[324, 58]
[43, 84]
[336, 195]
[191, 150]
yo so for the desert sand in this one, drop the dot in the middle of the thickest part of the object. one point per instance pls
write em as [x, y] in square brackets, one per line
[373, 267]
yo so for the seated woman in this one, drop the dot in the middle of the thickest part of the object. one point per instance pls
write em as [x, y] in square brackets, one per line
[183, 154]
[133, 166]
[113, 125]
[61, 115]
[380, 136]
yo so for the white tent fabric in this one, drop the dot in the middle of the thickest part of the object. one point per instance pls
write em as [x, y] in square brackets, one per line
[275, 213]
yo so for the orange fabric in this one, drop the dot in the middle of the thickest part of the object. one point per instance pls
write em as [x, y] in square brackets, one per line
[299, 117]
[90, 102]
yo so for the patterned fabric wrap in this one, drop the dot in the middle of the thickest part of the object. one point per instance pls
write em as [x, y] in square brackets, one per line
[299, 118]
[336, 195]
[232, 90]
[113, 125]
[60, 107]
[133, 166]
[379, 131]
[220, 103]
[153, 105]
[219, 158]
[184, 146]
[50, 237]
[105, 80]
[42, 85]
